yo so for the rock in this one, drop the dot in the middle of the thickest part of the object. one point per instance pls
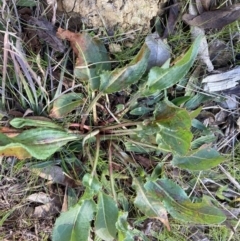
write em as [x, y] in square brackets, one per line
[121, 15]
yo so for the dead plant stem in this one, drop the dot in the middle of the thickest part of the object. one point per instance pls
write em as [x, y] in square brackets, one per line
[94, 101]
[121, 125]
[111, 171]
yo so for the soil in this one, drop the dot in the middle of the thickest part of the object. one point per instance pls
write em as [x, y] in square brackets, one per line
[121, 15]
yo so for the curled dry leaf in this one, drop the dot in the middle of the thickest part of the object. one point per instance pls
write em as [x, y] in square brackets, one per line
[40, 197]
[214, 19]
[159, 51]
[207, 4]
[47, 32]
[220, 53]
[46, 210]
[203, 53]
[172, 19]
[230, 102]
[55, 174]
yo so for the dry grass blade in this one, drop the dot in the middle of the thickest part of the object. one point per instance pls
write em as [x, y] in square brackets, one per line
[230, 177]
[5, 61]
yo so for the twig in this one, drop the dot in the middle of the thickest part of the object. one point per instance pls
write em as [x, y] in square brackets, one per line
[235, 229]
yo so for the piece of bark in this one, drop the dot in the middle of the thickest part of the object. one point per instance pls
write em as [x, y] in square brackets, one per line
[214, 19]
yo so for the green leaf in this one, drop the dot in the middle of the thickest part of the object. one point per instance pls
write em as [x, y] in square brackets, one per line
[26, 3]
[127, 233]
[180, 100]
[178, 204]
[107, 214]
[66, 104]
[199, 160]
[160, 79]
[72, 197]
[138, 148]
[124, 234]
[40, 143]
[203, 140]
[197, 100]
[149, 204]
[92, 59]
[92, 183]
[199, 125]
[142, 110]
[120, 79]
[171, 125]
[33, 122]
[193, 114]
[74, 225]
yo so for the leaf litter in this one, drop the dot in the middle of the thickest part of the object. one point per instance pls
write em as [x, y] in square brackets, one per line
[91, 59]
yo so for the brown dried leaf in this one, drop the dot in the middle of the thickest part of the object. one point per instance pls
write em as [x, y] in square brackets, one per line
[207, 4]
[47, 32]
[203, 53]
[81, 44]
[39, 197]
[76, 41]
[172, 19]
[46, 210]
[9, 132]
[92, 57]
[65, 201]
[55, 174]
[214, 19]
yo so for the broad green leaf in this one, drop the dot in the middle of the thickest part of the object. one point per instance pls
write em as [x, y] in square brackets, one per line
[40, 143]
[199, 160]
[65, 104]
[74, 225]
[120, 79]
[160, 79]
[26, 3]
[149, 204]
[92, 59]
[107, 214]
[171, 125]
[35, 121]
[178, 204]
